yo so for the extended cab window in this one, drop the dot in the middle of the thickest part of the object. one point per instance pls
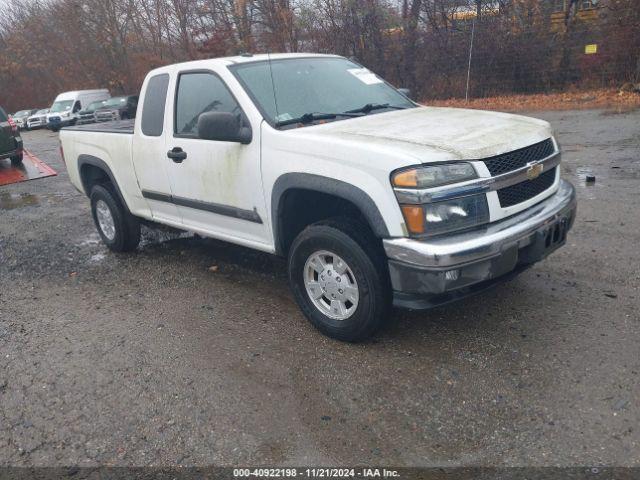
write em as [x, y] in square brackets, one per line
[155, 99]
[198, 93]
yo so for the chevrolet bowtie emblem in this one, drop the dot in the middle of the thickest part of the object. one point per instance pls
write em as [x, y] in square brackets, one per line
[534, 171]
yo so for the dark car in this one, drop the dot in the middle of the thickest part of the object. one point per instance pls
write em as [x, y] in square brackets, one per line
[10, 140]
[88, 115]
[118, 108]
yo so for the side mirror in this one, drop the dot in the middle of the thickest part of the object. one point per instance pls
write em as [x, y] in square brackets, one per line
[223, 127]
[406, 92]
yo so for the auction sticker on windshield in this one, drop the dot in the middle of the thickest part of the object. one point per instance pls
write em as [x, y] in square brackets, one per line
[365, 75]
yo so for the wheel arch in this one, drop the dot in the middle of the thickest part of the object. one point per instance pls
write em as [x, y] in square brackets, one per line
[87, 166]
[289, 182]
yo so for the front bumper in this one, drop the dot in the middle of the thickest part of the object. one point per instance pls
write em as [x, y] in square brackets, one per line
[108, 116]
[428, 273]
[58, 122]
[85, 119]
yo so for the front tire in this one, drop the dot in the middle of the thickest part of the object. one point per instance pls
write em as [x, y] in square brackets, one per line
[339, 278]
[119, 230]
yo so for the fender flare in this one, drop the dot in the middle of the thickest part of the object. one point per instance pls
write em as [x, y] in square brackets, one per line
[102, 165]
[330, 186]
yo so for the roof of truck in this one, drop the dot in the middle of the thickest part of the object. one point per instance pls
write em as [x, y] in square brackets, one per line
[273, 56]
[246, 58]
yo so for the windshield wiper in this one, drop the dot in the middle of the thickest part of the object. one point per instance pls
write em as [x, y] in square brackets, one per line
[312, 117]
[369, 107]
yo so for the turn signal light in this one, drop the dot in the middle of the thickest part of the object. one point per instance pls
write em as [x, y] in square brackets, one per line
[414, 218]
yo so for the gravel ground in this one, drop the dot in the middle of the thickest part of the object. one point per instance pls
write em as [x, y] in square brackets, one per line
[154, 359]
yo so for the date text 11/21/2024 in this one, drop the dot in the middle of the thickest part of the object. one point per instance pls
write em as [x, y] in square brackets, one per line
[315, 473]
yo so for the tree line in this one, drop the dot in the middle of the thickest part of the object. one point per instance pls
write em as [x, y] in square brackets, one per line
[434, 47]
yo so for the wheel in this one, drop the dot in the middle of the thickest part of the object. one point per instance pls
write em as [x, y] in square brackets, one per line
[17, 159]
[339, 278]
[119, 230]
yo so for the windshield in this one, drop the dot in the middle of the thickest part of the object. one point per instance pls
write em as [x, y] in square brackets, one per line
[96, 105]
[115, 102]
[43, 111]
[315, 85]
[22, 113]
[61, 106]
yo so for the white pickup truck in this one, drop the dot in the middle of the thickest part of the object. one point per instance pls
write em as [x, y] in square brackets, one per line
[374, 199]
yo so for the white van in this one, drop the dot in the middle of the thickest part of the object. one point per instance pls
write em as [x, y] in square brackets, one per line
[66, 106]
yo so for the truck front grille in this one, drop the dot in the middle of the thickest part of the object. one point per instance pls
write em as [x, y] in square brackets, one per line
[507, 162]
[523, 191]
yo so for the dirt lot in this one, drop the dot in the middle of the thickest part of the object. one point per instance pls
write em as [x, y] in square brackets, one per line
[154, 359]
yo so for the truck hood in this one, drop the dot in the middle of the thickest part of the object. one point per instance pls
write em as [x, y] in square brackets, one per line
[434, 134]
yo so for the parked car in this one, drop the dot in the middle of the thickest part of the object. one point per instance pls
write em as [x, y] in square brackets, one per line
[87, 115]
[38, 119]
[372, 198]
[118, 108]
[20, 118]
[10, 140]
[66, 106]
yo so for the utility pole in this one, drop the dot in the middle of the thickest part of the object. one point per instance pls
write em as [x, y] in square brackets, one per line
[473, 29]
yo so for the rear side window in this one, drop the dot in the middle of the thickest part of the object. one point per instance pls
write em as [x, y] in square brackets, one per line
[199, 93]
[154, 102]
[3, 116]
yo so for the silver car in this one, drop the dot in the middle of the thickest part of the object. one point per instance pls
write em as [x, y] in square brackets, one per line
[38, 119]
[21, 117]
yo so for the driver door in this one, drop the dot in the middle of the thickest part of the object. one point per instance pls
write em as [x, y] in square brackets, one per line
[216, 185]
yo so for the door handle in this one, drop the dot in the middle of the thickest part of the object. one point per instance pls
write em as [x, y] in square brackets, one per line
[177, 154]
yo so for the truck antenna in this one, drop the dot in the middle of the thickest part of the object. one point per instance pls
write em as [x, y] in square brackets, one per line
[273, 86]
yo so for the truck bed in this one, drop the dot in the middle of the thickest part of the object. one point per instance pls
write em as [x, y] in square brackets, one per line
[117, 126]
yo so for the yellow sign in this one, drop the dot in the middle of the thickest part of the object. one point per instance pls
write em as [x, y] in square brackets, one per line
[591, 49]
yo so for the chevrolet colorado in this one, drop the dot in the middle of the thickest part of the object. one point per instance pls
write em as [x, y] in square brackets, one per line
[374, 199]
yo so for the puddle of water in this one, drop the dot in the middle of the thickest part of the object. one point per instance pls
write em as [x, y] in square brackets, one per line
[10, 201]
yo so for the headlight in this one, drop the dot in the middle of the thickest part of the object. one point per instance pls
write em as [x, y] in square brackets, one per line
[442, 217]
[434, 175]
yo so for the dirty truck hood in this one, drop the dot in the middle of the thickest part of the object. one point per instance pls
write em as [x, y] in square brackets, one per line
[447, 133]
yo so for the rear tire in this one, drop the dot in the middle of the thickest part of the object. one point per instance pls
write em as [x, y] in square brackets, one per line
[119, 230]
[17, 160]
[349, 251]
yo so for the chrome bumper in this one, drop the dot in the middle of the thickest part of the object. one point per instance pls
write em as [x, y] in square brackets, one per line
[457, 263]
